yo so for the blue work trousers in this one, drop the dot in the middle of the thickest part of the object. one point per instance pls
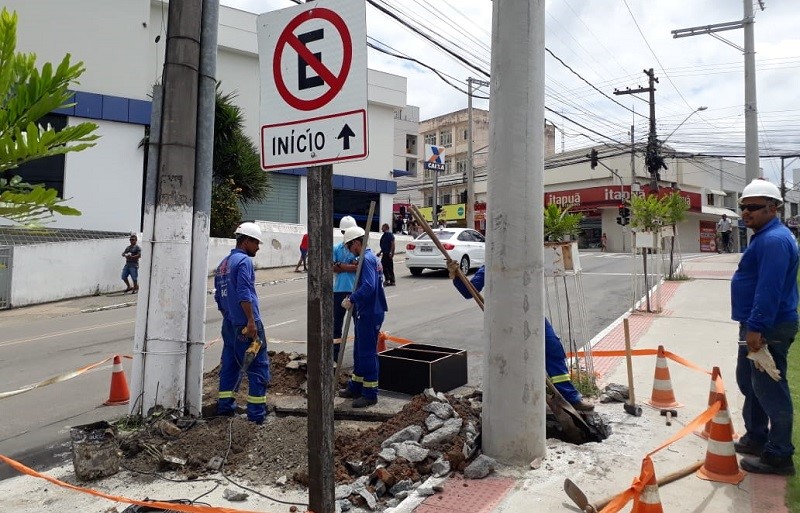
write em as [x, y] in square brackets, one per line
[364, 380]
[555, 365]
[767, 410]
[235, 345]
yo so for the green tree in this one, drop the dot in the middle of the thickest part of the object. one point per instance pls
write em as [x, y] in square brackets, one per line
[675, 211]
[29, 94]
[238, 177]
[560, 223]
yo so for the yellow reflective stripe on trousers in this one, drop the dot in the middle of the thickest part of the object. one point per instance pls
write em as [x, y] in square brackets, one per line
[252, 399]
[356, 379]
[225, 395]
[370, 384]
[561, 378]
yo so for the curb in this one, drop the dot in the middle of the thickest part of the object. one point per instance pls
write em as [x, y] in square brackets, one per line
[109, 307]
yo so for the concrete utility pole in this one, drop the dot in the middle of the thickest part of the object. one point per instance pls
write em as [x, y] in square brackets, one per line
[470, 210]
[319, 305]
[752, 170]
[513, 383]
[652, 158]
[162, 327]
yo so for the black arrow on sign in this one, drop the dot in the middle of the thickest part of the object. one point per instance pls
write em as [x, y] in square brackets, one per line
[346, 134]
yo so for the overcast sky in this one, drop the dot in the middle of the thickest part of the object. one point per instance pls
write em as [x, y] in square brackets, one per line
[609, 43]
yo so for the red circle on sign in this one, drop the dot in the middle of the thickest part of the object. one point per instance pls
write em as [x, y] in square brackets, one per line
[335, 82]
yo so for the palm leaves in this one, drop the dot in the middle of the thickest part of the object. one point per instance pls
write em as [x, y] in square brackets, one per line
[560, 223]
[28, 94]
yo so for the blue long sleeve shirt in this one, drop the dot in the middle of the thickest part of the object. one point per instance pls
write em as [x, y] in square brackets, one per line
[239, 287]
[369, 297]
[764, 286]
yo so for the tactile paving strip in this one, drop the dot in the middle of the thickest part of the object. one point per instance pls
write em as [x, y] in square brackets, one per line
[467, 496]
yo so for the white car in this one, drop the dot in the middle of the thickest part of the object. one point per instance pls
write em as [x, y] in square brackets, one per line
[465, 246]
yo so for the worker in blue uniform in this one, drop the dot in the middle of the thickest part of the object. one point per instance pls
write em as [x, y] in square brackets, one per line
[369, 303]
[344, 280]
[554, 357]
[235, 294]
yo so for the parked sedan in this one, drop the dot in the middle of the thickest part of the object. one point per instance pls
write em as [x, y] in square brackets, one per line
[465, 246]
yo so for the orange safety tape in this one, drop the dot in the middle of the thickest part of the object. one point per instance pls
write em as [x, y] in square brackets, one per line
[623, 498]
[642, 352]
[187, 508]
[57, 379]
[397, 340]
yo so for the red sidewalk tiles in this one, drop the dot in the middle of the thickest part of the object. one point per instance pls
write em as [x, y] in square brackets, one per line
[767, 493]
[468, 496]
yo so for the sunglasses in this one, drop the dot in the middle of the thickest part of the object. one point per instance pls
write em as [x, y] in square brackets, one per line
[751, 207]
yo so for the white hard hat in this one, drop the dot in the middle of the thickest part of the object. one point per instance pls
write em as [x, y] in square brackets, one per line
[346, 222]
[761, 188]
[353, 233]
[251, 230]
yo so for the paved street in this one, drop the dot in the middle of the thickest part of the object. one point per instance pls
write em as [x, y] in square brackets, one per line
[40, 342]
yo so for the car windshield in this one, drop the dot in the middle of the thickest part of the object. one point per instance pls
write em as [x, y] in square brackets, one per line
[440, 234]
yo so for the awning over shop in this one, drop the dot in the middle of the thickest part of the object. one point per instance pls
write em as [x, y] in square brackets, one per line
[717, 192]
[718, 211]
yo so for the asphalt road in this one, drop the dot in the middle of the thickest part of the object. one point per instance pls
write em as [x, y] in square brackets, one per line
[34, 426]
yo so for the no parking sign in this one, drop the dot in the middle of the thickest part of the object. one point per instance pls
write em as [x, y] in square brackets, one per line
[313, 62]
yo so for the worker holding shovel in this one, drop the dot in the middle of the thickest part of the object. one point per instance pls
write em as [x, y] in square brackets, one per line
[555, 358]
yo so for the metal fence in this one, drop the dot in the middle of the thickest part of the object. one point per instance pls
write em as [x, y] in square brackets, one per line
[6, 253]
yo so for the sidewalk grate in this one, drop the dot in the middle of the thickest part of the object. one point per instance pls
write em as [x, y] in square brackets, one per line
[467, 496]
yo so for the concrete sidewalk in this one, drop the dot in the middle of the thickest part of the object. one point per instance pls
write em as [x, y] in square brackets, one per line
[696, 325]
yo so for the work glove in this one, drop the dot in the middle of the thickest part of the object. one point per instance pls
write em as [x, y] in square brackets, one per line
[346, 304]
[763, 361]
[452, 269]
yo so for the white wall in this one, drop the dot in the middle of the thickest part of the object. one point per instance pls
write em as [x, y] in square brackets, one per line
[105, 182]
[59, 270]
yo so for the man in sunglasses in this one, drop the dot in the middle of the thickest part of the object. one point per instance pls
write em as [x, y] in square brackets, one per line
[764, 302]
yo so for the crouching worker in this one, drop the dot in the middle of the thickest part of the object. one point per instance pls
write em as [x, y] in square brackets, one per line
[369, 303]
[554, 357]
[235, 294]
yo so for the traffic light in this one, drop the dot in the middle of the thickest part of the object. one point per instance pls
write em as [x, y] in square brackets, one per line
[593, 159]
[621, 210]
[624, 215]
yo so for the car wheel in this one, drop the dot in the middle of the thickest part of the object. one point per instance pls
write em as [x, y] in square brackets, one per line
[464, 265]
[415, 271]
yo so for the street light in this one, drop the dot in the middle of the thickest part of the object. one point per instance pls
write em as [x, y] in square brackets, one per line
[699, 109]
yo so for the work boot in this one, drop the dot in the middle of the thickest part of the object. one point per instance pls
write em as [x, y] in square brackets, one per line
[583, 405]
[348, 394]
[363, 402]
[768, 464]
[745, 446]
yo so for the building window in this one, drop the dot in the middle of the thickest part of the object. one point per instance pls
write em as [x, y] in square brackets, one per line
[461, 166]
[411, 144]
[427, 174]
[428, 201]
[448, 166]
[446, 139]
[710, 199]
[430, 139]
[793, 209]
[411, 166]
[445, 199]
[466, 134]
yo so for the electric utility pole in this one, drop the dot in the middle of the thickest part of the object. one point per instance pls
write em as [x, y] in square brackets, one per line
[513, 383]
[653, 159]
[162, 335]
[470, 210]
[752, 170]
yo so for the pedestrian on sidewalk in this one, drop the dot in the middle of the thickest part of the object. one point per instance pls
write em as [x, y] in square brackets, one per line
[344, 280]
[724, 231]
[369, 303]
[235, 294]
[387, 255]
[764, 302]
[603, 243]
[132, 254]
[554, 356]
[303, 254]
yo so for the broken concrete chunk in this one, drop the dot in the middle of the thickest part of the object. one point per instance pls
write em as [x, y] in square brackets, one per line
[442, 410]
[433, 422]
[430, 394]
[295, 364]
[412, 433]
[449, 430]
[372, 501]
[281, 481]
[402, 486]
[167, 428]
[412, 451]
[480, 468]
[356, 466]
[470, 428]
[343, 491]
[383, 475]
[425, 491]
[233, 495]
[344, 505]
[215, 463]
[440, 467]
[380, 488]
[387, 454]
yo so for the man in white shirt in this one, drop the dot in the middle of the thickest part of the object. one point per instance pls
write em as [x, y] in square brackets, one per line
[724, 229]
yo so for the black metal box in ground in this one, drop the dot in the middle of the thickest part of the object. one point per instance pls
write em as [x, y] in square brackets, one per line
[412, 368]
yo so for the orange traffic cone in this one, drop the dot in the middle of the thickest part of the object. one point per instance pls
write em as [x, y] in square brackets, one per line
[648, 501]
[663, 396]
[381, 341]
[721, 464]
[712, 397]
[119, 393]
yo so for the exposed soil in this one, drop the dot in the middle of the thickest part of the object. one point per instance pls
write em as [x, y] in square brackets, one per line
[262, 454]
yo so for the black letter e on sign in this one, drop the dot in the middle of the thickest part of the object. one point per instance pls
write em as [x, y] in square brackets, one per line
[303, 81]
